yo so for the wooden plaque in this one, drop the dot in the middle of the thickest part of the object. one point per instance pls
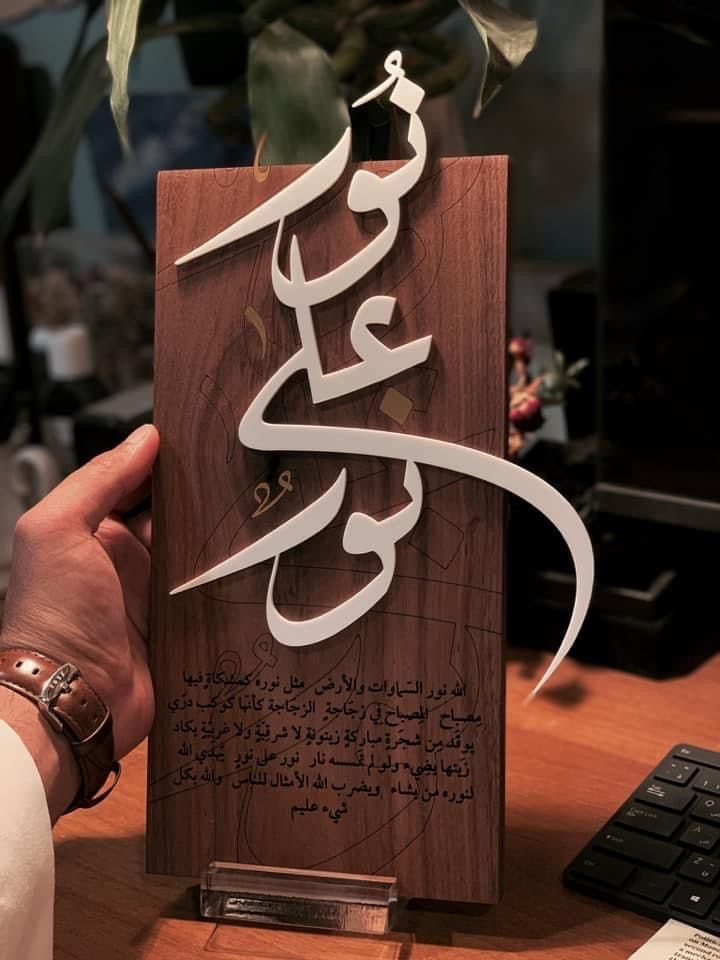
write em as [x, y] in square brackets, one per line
[380, 749]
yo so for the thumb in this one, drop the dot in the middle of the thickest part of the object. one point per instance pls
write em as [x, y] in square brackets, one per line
[89, 494]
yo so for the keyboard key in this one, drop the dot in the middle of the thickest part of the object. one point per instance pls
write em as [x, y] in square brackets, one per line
[707, 808]
[694, 900]
[663, 795]
[708, 758]
[660, 853]
[652, 885]
[700, 869]
[649, 820]
[708, 782]
[653, 853]
[600, 869]
[700, 836]
[676, 772]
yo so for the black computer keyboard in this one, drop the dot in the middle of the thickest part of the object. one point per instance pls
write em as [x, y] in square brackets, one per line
[659, 854]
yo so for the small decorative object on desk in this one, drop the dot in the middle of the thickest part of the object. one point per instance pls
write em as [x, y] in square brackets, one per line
[103, 281]
[528, 394]
[329, 520]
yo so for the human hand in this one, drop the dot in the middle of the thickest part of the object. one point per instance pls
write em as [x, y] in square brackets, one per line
[78, 588]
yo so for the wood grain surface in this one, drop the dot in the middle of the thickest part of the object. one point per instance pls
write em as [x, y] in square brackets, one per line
[380, 749]
[573, 755]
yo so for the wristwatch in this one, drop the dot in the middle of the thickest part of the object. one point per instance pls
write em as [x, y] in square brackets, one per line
[71, 707]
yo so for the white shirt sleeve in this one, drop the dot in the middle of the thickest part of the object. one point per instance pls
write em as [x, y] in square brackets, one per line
[27, 860]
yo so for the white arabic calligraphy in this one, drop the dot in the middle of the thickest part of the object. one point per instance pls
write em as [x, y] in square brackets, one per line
[363, 534]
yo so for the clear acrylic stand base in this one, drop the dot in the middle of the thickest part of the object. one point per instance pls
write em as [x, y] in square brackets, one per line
[298, 898]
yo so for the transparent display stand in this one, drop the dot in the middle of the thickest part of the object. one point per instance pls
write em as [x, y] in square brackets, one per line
[298, 898]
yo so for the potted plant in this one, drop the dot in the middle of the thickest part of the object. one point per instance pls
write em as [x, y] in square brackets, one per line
[298, 67]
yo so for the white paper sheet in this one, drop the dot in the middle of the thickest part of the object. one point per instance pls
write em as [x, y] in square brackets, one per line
[678, 941]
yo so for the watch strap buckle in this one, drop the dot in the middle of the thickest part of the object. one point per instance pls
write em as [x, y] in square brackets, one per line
[71, 707]
[54, 687]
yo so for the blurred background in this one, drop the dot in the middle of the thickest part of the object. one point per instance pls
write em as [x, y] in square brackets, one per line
[610, 112]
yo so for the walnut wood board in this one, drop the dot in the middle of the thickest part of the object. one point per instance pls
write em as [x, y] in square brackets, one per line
[379, 750]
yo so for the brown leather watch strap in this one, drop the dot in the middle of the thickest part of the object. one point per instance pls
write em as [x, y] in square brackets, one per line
[70, 706]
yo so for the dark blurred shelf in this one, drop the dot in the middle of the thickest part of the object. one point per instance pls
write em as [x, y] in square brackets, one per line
[693, 117]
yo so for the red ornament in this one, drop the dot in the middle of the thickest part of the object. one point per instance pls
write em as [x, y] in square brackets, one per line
[526, 412]
[520, 348]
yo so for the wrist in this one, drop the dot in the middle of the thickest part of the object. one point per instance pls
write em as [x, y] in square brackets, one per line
[51, 751]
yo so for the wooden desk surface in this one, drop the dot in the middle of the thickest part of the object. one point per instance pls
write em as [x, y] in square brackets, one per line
[572, 757]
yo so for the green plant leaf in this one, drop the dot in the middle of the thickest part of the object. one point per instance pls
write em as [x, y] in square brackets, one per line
[386, 19]
[320, 23]
[294, 96]
[446, 63]
[507, 37]
[122, 32]
[577, 367]
[47, 172]
[350, 53]
[259, 13]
